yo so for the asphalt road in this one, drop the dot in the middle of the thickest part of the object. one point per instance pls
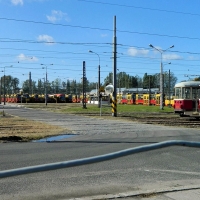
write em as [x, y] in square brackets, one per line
[161, 170]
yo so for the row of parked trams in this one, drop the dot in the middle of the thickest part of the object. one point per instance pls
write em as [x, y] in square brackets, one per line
[185, 101]
[142, 99]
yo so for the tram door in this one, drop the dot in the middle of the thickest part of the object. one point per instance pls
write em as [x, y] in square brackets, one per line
[196, 99]
[157, 99]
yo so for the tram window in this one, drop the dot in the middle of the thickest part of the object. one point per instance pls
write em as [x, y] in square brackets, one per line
[186, 93]
[152, 96]
[94, 99]
[140, 96]
[195, 93]
[104, 98]
[178, 93]
[123, 96]
[194, 96]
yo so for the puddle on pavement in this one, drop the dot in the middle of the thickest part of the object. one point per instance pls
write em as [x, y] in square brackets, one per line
[54, 138]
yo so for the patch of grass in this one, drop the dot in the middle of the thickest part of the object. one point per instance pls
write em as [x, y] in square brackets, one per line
[143, 108]
[91, 108]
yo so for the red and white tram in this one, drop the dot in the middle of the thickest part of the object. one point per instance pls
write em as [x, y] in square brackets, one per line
[187, 99]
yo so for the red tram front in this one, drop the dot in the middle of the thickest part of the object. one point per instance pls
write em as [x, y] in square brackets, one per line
[187, 96]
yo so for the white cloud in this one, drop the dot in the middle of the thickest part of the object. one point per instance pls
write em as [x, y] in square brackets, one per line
[22, 57]
[171, 57]
[17, 2]
[136, 52]
[57, 15]
[46, 38]
[193, 58]
[166, 55]
[104, 35]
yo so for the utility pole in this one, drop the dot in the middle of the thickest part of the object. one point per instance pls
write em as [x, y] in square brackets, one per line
[84, 86]
[4, 88]
[30, 84]
[169, 89]
[114, 100]
[149, 90]
[0, 90]
[46, 92]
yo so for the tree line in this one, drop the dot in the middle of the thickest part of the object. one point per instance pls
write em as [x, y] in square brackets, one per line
[10, 84]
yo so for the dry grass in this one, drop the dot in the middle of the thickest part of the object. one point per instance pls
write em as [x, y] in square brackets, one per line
[19, 129]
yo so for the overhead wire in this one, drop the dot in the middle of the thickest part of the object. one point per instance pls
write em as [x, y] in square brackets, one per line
[139, 7]
[102, 29]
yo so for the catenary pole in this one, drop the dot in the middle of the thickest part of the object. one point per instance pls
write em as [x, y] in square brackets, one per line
[114, 100]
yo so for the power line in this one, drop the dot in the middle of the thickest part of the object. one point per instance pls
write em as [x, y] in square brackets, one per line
[139, 7]
[46, 42]
[119, 46]
[103, 29]
[53, 24]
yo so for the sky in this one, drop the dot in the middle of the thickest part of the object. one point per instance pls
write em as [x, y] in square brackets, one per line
[55, 37]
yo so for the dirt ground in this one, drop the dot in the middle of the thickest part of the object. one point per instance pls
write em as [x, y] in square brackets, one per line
[19, 129]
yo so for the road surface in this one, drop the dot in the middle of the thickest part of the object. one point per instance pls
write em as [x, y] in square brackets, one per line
[163, 170]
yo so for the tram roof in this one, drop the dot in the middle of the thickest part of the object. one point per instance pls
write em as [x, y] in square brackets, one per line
[188, 84]
[141, 90]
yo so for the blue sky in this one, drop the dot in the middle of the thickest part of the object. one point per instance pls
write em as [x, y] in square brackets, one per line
[61, 32]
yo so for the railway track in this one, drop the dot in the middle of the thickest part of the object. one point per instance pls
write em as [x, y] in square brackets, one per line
[189, 124]
[166, 119]
[180, 122]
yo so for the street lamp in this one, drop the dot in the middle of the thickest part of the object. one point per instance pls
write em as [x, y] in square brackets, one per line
[4, 88]
[98, 77]
[161, 73]
[46, 84]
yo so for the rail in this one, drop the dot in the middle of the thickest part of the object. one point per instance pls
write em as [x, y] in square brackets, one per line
[95, 159]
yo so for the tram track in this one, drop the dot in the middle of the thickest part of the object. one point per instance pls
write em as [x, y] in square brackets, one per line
[173, 121]
[166, 119]
[184, 123]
